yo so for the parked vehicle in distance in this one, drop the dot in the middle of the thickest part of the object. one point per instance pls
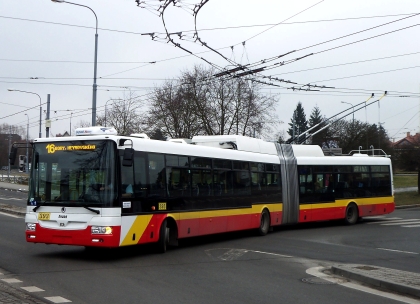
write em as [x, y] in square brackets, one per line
[5, 168]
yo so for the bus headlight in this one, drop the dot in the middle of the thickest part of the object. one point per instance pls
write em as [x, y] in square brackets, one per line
[30, 226]
[101, 230]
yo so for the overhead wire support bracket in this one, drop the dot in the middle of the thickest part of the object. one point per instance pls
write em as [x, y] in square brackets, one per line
[249, 72]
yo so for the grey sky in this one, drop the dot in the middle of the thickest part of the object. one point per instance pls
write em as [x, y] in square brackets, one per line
[388, 62]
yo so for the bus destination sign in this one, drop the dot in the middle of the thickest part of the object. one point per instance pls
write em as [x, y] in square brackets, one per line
[51, 148]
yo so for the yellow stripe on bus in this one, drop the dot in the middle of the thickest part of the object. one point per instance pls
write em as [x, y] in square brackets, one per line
[138, 227]
[230, 212]
[345, 201]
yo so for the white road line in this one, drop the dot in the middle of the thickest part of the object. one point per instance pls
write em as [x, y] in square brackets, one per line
[57, 299]
[32, 289]
[409, 252]
[11, 199]
[11, 281]
[11, 215]
[401, 223]
[276, 254]
[394, 221]
[382, 217]
[317, 272]
[410, 226]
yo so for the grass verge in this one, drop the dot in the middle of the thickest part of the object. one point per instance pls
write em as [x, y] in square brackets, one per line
[407, 198]
[402, 181]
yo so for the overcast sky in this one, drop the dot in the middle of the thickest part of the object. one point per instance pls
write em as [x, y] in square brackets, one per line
[54, 42]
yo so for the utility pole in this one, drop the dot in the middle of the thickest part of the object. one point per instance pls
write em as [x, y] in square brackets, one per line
[47, 119]
[27, 143]
[8, 167]
[294, 121]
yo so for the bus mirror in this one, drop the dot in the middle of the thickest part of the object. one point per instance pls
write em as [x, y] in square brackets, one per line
[128, 157]
[12, 155]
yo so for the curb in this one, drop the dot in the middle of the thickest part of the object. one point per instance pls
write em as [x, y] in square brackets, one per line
[382, 283]
[407, 206]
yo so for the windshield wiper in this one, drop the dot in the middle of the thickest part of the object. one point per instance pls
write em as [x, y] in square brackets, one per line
[37, 206]
[91, 209]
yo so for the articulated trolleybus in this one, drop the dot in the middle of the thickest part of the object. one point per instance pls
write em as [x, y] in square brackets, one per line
[98, 189]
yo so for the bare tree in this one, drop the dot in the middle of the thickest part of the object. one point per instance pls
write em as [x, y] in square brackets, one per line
[124, 115]
[199, 104]
[172, 112]
[12, 129]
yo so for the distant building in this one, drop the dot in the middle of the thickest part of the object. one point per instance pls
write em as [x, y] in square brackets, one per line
[65, 134]
[408, 142]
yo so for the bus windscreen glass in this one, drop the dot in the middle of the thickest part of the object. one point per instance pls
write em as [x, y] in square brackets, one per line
[73, 173]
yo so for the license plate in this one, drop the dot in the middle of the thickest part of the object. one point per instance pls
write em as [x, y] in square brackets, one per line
[43, 216]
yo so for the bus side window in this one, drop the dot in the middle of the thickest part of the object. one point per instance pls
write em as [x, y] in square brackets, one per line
[140, 183]
[156, 175]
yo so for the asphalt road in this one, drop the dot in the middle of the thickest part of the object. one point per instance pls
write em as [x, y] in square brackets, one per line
[232, 268]
[13, 197]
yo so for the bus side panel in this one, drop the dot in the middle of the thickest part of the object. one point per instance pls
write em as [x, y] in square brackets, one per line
[212, 222]
[377, 206]
[276, 217]
[140, 229]
[305, 213]
[366, 207]
[188, 224]
[328, 211]
[220, 221]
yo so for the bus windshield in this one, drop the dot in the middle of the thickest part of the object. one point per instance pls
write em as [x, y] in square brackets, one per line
[74, 173]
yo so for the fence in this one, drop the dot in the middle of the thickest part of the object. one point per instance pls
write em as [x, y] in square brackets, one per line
[14, 179]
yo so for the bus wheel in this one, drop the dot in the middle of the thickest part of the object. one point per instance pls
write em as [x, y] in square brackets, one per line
[163, 237]
[352, 214]
[264, 223]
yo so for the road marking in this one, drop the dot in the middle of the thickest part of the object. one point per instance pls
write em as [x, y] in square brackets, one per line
[409, 252]
[402, 223]
[11, 281]
[231, 254]
[57, 299]
[410, 226]
[382, 217]
[317, 272]
[393, 221]
[32, 289]
[11, 198]
[276, 254]
[11, 215]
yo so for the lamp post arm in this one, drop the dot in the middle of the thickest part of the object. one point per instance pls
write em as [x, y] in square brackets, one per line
[96, 17]
[94, 87]
[40, 107]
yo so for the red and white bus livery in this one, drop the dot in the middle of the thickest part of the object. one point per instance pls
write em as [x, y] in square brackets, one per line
[99, 189]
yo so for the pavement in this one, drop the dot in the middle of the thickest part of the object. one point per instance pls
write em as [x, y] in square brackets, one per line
[398, 281]
[10, 208]
[392, 280]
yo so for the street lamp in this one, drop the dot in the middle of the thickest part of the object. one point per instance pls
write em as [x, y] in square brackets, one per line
[40, 106]
[95, 62]
[352, 107]
[71, 114]
[27, 143]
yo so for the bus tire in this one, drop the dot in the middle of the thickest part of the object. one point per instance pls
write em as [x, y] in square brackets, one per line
[264, 223]
[163, 242]
[352, 214]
